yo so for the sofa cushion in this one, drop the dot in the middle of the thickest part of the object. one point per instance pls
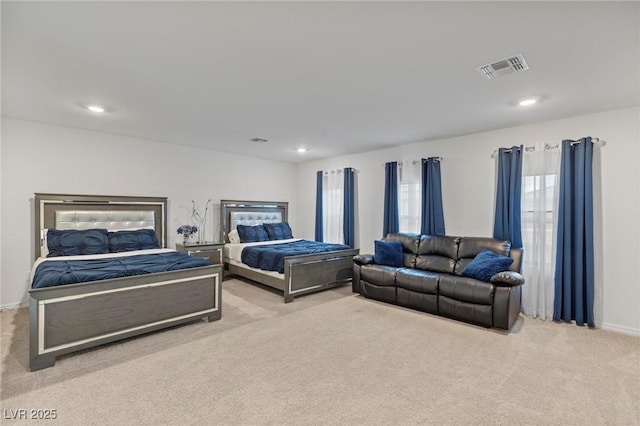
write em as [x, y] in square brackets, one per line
[409, 246]
[470, 247]
[379, 274]
[435, 263]
[439, 246]
[437, 253]
[388, 253]
[418, 281]
[485, 265]
[466, 289]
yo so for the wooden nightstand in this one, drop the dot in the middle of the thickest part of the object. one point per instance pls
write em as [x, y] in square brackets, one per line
[209, 250]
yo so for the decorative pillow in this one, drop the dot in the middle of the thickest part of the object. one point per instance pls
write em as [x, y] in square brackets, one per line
[252, 234]
[485, 265]
[74, 242]
[234, 238]
[388, 253]
[278, 231]
[130, 240]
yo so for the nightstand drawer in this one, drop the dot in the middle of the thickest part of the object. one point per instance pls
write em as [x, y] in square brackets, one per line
[208, 250]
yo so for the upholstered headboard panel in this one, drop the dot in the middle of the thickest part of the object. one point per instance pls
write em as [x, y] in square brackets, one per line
[113, 220]
[234, 213]
[253, 218]
[63, 211]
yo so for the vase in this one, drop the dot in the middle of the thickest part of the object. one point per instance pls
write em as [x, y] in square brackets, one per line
[185, 239]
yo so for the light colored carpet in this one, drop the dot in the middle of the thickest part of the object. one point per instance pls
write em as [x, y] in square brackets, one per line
[332, 358]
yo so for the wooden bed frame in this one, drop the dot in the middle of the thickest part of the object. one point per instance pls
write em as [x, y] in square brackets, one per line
[303, 274]
[71, 317]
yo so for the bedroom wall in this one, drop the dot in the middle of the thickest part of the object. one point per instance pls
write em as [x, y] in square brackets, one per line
[43, 158]
[468, 182]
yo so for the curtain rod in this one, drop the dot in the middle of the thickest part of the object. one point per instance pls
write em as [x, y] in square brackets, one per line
[414, 162]
[326, 172]
[547, 146]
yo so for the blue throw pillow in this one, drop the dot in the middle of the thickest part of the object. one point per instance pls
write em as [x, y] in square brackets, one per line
[278, 231]
[252, 234]
[388, 253]
[485, 265]
[73, 242]
[138, 239]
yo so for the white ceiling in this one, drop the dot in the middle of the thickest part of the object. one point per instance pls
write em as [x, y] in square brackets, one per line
[335, 77]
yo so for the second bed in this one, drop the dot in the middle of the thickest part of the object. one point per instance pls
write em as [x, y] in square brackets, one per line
[301, 268]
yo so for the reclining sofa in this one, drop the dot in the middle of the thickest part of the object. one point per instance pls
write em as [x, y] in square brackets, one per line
[430, 279]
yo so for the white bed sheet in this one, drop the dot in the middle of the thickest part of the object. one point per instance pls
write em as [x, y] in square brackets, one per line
[41, 260]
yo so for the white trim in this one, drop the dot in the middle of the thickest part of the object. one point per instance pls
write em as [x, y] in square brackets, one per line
[15, 305]
[623, 329]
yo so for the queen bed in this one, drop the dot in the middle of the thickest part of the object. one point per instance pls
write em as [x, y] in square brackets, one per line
[291, 265]
[84, 294]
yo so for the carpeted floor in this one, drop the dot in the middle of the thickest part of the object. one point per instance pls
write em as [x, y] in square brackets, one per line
[331, 358]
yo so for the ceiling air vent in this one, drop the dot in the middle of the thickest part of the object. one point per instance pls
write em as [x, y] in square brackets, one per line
[504, 66]
[258, 140]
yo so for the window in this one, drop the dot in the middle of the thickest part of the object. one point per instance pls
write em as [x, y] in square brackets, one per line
[409, 197]
[540, 185]
[538, 213]
[332, 206]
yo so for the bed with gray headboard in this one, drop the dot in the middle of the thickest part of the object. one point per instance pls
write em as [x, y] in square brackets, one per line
[303, 274]
[71, 317]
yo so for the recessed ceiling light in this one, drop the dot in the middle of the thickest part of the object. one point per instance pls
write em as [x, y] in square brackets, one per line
[95, 108]
[527, 102]
[301, 150]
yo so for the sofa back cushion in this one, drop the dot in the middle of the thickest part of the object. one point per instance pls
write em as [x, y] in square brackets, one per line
[516, 254]
[409, 247]
[469, 248]
[437, 253]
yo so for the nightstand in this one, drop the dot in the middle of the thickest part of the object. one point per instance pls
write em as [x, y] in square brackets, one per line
[207, 249]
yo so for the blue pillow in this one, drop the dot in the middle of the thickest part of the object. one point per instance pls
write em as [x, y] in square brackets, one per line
[252, 234]
[388, 253]
[278, 231]
[138, 239]
[73, 242]
[485, 265]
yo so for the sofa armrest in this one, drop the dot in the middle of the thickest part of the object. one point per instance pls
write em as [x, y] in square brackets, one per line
[363, 259]
[507, 279]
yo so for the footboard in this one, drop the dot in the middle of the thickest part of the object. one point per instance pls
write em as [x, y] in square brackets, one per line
[79, 316]
[312, 272]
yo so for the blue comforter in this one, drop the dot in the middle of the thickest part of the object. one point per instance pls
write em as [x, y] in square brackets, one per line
[271, 257]
[60, 272]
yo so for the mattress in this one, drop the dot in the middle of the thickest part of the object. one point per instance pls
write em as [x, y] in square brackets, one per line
[62, 270]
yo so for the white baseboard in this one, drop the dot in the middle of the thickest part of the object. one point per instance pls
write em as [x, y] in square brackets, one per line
[15, 305]
[621, 329]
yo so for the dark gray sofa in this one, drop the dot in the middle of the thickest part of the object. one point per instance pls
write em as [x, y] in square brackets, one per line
[430, 279]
